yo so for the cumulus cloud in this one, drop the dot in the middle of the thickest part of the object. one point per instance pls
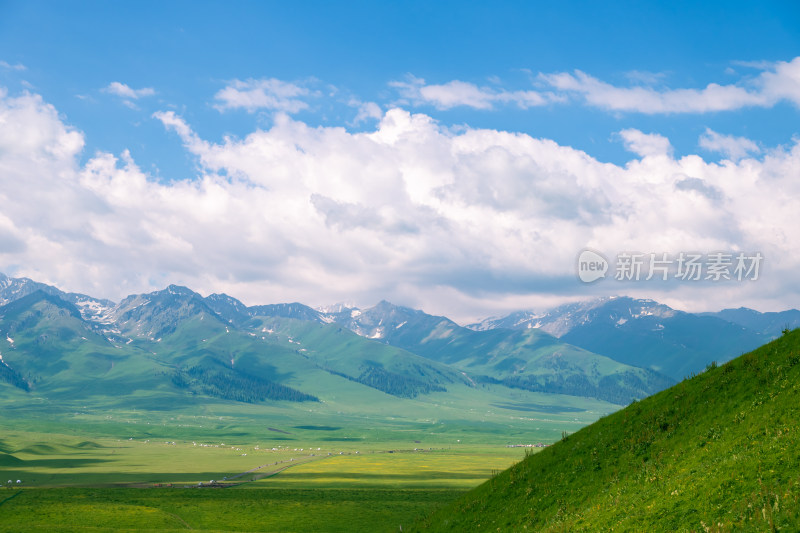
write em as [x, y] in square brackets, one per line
[701, 187]
[366, 111]
[644, 144]
[172, 121]
[272, 94]
[778, 81]
[458, 93]
[455, 222]
[733, 147]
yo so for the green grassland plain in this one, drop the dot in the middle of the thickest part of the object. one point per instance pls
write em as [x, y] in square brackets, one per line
[311, 467]
[115, 484]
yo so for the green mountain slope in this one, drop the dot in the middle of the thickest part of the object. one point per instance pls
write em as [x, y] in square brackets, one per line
[49, 351]
[213, 350]
[372, 363]
[717, 452]
[45, 341]
[535, 361]
[647, 334]
[401, 351]
[528, 359]
[172, 362]
[673, 343]
[170, 348]
[770, 323]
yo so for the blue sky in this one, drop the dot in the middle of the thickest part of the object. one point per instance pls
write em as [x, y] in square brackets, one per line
[538, 126]
[187, 51]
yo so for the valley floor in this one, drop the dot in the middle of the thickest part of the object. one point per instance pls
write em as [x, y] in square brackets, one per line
[355, 464]
[146, 484]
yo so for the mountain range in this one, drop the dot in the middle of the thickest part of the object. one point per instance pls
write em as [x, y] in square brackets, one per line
[178, 345]
[652, 335]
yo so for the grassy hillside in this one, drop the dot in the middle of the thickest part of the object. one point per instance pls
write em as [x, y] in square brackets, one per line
[46, 344]
[372, 363]
[717, 452]
[173, 345]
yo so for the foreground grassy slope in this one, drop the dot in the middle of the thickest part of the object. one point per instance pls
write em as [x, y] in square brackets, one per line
[717, 452]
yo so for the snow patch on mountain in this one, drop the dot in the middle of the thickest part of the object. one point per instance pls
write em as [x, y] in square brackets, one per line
[336, 308]
[94, 310]
[562, 319]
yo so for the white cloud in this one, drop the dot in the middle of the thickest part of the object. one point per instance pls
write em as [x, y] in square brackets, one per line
[453, 222]
[18, 66]
[458, 93]
[124, 91]
[176, 123]
[366, 111]
[713, 97]
[733, 147]
[779, 81]
[272, 94]
[644, 144]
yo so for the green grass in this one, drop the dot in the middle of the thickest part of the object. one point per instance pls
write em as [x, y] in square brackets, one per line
[53, 460]
[71, 482]
[110, 485]
[165, 510]
[717, 452]
[76, 458]
[484, 415]
[460, 467]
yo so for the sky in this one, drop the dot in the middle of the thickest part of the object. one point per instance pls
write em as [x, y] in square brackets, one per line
[456, 157]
